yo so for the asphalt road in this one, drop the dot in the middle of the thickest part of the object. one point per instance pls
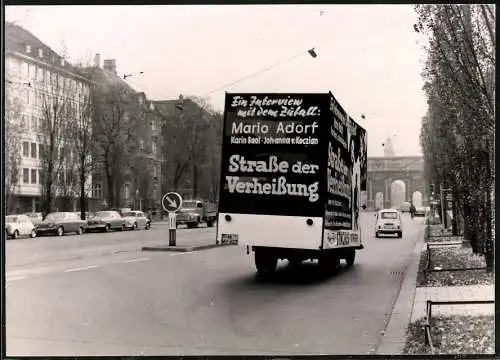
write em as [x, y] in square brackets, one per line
[82, 296]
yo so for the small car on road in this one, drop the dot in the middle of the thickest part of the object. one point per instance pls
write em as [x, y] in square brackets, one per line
[105, 221]
[388, 221]
[19, 225]
[60, 223]
[136, 219]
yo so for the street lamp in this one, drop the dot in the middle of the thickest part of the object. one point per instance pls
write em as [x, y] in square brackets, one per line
[125, 76]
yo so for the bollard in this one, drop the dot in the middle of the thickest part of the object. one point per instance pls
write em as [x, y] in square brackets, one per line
[172, 228]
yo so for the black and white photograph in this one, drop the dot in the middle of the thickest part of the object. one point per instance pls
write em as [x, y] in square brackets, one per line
[249, 179]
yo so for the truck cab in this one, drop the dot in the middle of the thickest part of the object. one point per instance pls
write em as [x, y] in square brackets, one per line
[194, 212]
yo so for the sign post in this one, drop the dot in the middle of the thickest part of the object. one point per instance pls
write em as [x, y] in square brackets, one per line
[171, 203]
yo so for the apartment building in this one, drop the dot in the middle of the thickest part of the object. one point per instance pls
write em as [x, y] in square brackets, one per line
[136, 182]
[30, 69]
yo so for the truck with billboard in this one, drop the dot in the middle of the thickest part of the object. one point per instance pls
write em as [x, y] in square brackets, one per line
[293, 168]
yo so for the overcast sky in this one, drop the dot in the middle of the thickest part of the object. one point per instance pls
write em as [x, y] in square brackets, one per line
[368, 55]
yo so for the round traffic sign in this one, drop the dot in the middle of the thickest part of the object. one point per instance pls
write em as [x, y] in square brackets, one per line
[171, 202]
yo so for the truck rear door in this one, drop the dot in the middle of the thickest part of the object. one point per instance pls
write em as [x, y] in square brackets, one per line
[273, 178]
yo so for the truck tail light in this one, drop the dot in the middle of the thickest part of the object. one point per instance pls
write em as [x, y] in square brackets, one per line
[309, 222]
[227, 217]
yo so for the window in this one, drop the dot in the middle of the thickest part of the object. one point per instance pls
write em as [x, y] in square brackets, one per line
[26, 176]
[33, 176]
[96, 191]
[40, 176]
[33, 150]
[32, 71]
[26, 149]
[34, 123]
[24, 69]
[41, 151]
[141, 145]
[126, 191]
[28, 48]
[24, 122]
[39, 76]
[47, 76]
[27, 97]
[153, 147]
[153, 125]
[40, 53]
[155, 171]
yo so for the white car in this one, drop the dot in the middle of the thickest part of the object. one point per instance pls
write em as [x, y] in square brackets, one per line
[135, 219]
[19, 225]
[388, 221]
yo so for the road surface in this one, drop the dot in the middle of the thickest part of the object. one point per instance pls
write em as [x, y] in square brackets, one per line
[98, 294]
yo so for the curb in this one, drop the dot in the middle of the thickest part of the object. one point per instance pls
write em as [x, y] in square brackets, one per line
[181, 248]
[394, 337]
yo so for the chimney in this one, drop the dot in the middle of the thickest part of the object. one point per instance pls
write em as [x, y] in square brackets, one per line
[110, 65]
[97, 60]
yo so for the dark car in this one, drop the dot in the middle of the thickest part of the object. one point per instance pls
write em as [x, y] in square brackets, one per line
[60, 223]
[105, 221]
[420, 212]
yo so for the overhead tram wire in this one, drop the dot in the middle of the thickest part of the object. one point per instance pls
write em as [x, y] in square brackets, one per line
[311, 52]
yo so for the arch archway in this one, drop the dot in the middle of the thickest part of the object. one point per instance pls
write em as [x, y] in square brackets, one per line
[398, 193]
[379, 200]
[417, 199]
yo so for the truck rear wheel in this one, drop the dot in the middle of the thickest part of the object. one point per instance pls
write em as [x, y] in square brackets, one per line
[210, 223]
[350, 256]
[265, 263]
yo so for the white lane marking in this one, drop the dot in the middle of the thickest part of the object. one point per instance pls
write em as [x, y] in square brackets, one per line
[182, 253]
[82, 268]
[136, 260]
[15, 278]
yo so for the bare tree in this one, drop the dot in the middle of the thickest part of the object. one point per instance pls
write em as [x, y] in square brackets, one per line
[55, 96]
[458, 135]
[113, 128]
[79, 131]
[12, 141]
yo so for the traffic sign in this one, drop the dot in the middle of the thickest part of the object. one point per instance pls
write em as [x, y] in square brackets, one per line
[171, 202]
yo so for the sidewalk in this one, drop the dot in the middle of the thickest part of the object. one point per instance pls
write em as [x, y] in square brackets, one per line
[454, 293]
[411, 303]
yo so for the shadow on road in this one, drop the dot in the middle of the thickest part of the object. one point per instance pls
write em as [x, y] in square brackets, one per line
[307, 273]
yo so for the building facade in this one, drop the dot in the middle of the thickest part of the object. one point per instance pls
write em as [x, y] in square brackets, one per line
[31, 70]
[135, 182]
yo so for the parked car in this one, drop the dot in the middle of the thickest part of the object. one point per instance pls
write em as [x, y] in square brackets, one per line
[19, 225]
[194, 212]
[105, 221]
[61, 223]
[420, 212]
[136, 219]
[35, 217]
[87, 214]
[388, 221]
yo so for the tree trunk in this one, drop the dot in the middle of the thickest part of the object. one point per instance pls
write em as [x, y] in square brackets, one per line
[110, 183]
[454, 221]
[195, 181]
[83, 203]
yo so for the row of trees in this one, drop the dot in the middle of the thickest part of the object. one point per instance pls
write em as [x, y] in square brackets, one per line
[192, 136]
[457, 134]
[104, 130]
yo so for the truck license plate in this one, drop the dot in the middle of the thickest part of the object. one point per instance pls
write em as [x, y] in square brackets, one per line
[229, 239]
